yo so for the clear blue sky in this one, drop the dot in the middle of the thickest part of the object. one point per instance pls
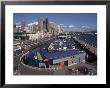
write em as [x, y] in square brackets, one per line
[70, 21]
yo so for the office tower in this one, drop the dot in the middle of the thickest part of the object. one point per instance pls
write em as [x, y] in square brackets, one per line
[23, 25]
[47, 25]
[40, 23]
[44, 25]
[34, 28]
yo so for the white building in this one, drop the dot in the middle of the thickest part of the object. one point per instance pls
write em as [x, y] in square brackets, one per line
[33, 26]
[60, 29]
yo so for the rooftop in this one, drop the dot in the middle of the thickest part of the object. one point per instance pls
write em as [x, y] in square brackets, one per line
[60, 54]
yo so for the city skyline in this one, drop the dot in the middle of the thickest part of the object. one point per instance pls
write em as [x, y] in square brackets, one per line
[70, 21]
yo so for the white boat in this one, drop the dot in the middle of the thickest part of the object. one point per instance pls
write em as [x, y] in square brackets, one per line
[64, 48]
[73, 47]
[60, 49]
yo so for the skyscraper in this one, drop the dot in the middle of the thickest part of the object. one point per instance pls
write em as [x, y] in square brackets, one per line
[47, 25]
[23, 25]
[44, 24]
[40, 23]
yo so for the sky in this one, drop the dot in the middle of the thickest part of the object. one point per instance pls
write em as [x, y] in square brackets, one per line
[69, 21]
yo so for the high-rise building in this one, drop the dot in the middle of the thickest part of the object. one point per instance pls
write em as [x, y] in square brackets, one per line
[14, 26]
[47, 25]
[23, 25]
[60, 29]
[44, 25]
[40, 23]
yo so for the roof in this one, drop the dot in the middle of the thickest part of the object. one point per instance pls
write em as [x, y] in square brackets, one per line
[60, 54]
